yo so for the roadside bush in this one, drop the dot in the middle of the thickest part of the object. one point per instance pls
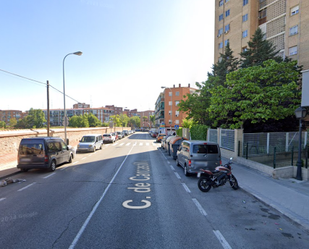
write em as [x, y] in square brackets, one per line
[179, 132]
[198, 132]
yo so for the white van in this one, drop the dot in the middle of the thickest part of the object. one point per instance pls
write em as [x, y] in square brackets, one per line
[91, 142]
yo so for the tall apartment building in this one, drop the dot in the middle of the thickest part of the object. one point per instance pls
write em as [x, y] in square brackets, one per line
[7, 115]
[172, 97]
[56, 115]
[284, 22]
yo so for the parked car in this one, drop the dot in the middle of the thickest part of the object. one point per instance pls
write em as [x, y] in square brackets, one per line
[120, 134]
[43, 153]
[91, 142]
[194, 155]
[126, 132]
[109, 138]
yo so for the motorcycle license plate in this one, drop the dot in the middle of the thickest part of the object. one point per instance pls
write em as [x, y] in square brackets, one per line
[198, 174]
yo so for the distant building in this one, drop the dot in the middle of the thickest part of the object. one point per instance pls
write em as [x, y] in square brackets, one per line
[146, 122]
[81, 105]
[56, 115]
[170, 101]
[7, 115]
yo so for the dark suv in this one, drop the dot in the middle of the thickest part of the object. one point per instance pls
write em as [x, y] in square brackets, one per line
[43, 153]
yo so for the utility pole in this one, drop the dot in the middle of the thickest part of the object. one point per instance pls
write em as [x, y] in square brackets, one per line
[48, 117]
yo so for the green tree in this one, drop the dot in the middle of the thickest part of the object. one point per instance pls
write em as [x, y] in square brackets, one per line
[187, 123]
[124, 119]
[2, 124]
[135, 121]
[259, 50]
[13, 122]
[79, 121]
[93, 120]
[35, 118]
[116, 120]
[152, 120]
[256, 94]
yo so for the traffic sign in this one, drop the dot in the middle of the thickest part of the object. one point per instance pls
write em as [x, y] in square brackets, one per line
[176, 127]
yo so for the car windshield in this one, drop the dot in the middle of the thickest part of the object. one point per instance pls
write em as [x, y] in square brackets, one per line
[88, 139]
[106, 135]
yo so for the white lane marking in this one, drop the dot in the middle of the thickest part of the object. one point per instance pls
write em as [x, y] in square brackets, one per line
[140, 144]
[75, 162]
[2, 199]
[200, 208]
[222, 240]
[82, 229]
[172, 167]
[114, 144]
[27, 186]
[128, 144]
[121, 144]
[84, 158]
[134, 144]
[177, 175]
[49, 175]
[186, 187]
[147, 144]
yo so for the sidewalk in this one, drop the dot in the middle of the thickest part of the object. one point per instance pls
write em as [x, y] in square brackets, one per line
[288, 196]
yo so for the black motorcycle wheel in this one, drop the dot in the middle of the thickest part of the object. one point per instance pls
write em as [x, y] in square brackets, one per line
[204, 184]
[233, 182]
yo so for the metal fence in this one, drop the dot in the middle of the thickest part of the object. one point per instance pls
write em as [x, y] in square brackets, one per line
[276, 149]
[226, 139]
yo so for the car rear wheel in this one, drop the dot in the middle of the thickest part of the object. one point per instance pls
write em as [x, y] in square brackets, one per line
[70, 159]
[185, 171]
[52, 166]
[177, 163]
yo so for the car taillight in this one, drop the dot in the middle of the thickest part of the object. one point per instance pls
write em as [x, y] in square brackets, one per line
[220, 162]
[189, 162]
[46, 159]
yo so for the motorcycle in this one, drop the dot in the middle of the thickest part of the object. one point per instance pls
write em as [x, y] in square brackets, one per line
[217, 178]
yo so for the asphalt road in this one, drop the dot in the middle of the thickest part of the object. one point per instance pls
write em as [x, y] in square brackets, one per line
[132, 195]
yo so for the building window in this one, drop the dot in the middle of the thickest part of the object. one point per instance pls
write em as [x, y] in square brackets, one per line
[220, 32]
[169, 112]
[220, 45]
[245, 18]
[170, 103]
[294, 10]
[176, 103]
[177, 93]
[221, 2]
[227, 1]
[294, 30]
[176, 113]
[170, 94]
[245, 2]
[227, 13]
[245, 34]
[293, 50]
[227, 28]
[221, 17]
[226, 42]
[170, 121]
[177, 122]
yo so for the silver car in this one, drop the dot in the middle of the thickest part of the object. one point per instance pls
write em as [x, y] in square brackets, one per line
[193, 155]
[91, 142]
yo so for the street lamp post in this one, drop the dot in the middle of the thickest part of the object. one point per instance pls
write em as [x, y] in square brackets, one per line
[300, 113]
[171, 107]
[65, 119]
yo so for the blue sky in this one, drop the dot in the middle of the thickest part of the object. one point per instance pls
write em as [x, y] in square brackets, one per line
[130, 49]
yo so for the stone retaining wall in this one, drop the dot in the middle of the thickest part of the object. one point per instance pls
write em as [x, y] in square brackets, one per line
[9, 140]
